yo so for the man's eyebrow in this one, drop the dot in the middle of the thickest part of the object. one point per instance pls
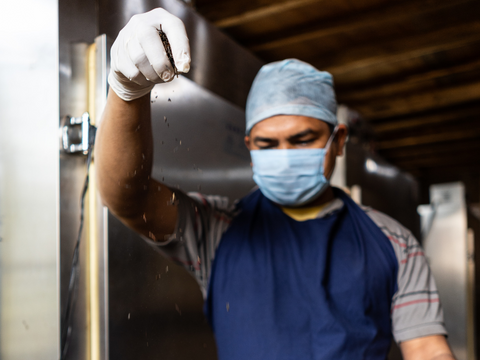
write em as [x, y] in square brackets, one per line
[302, 134]
[262, 139]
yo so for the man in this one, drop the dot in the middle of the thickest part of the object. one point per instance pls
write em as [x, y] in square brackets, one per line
[300, 271]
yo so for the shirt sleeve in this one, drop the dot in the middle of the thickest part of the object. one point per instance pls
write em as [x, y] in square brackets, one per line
[201, 222]
[416, 310]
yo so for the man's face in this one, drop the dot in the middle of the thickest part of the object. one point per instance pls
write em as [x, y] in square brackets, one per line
[297, 132]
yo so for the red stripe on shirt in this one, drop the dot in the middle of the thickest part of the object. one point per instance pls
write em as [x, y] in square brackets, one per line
[418, 253]
[415, 302]
[396, 241]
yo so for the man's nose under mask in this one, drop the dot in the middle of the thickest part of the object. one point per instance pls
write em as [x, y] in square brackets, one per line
[291, 177]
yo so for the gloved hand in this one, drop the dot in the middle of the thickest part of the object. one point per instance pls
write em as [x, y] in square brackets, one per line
[138, 57]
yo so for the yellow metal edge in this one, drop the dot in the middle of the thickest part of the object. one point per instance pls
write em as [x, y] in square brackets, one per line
[92, 226]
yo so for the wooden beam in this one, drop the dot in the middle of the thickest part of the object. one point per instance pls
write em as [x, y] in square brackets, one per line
[471, 124]
[439, 117]
[226, 14]
[441, 149]
[442, 161]
[429, 139]
[368, 57]
[444, 173]
[413, 83]
[403, 105]
[383, 16]
[385, 72]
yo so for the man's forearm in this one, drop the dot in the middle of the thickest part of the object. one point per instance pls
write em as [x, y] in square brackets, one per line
[434, 347]
[443, 357]
[124, 153]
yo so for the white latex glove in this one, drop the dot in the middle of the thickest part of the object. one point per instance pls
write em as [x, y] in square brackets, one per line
[138, 58]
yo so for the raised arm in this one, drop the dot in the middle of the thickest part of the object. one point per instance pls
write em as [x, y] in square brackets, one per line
[124, 145]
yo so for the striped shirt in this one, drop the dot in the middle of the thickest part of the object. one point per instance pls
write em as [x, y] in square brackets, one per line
[415, 310]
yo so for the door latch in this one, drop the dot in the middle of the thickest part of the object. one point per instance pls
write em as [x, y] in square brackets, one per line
[78, 134]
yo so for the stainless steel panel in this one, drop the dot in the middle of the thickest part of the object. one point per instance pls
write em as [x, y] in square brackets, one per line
[88, 90]
[77, 28]
[72, 177]
[198, 140]
[155, 306]
[446, 250]
[218, 63]
[29, 304]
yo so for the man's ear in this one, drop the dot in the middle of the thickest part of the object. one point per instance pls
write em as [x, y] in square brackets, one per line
[246, 139]
[342, 132]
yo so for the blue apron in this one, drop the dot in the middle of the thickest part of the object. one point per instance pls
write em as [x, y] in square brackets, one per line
[319, 289]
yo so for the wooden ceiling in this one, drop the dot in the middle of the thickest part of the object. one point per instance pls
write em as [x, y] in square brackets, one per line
[410, 68]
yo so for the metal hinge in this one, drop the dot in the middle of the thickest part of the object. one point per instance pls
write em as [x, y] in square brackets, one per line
[78, 135]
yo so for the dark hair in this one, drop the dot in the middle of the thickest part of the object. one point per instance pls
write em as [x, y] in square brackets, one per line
[331, 127]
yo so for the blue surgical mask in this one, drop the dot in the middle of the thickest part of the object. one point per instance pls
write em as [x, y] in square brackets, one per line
[291, 177]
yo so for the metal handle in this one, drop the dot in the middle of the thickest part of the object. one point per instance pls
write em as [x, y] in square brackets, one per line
[87, 134]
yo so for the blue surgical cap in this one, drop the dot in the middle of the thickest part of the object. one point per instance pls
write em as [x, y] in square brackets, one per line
[291, 87]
